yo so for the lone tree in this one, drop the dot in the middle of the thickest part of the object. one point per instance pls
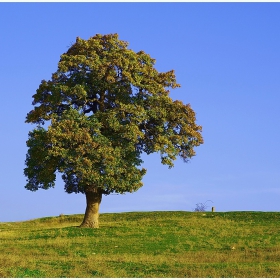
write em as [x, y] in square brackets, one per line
[105, 106]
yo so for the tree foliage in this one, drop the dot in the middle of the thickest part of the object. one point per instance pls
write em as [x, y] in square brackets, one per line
[105, 106]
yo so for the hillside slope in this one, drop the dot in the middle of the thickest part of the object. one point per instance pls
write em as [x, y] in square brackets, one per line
[144, 244]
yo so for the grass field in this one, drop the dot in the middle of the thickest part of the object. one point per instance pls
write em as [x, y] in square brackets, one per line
[144, 244]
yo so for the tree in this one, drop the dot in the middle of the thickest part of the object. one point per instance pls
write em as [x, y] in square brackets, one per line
[105, 106]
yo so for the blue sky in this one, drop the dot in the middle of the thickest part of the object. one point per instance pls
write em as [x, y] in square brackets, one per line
[226, 57]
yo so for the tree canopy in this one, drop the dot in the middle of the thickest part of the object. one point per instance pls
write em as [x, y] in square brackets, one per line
[105, 106]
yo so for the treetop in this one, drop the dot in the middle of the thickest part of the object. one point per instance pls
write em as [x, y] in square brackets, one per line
[106, 105]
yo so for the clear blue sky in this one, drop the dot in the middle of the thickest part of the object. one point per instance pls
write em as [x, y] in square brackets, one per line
[226, 57]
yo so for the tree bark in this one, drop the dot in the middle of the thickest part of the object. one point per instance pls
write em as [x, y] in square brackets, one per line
[93, 199]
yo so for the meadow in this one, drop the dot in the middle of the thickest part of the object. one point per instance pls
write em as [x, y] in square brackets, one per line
[144, 244]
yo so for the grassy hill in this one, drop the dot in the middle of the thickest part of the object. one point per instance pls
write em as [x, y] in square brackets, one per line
[144, 244]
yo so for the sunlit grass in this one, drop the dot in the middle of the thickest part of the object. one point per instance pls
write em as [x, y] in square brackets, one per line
[148, 244]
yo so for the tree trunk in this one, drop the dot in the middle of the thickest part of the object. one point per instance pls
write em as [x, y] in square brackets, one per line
[93, 198]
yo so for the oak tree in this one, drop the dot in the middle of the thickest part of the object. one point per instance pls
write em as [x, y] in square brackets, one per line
[105, 106]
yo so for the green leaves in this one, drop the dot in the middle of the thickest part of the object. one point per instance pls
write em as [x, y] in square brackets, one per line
[105, 105]
[74, 145]
[41, 166]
